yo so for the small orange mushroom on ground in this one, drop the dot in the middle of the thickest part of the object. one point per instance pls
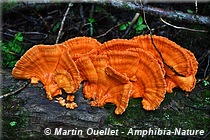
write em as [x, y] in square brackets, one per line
[61, 101]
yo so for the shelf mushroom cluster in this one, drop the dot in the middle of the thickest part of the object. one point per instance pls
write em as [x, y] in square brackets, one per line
[111, 72]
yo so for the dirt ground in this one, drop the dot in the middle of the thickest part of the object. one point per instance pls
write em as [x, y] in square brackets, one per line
[40, 24]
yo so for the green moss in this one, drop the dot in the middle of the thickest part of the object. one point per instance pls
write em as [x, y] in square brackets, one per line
[7, 6]
[172, 113]
[13, 117]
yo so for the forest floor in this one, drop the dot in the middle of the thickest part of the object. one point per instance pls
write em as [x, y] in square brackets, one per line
[40, 24]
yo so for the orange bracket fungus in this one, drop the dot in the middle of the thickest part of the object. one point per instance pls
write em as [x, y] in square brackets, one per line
[39, 64]
[182, 60]
[52, 65]
[80, 46]
[150, 83]
[104, 84]
[112, 72]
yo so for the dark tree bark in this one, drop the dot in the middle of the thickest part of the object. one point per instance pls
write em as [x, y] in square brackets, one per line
[41, 113]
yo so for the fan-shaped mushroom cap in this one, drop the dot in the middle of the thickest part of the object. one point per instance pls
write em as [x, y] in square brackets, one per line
[92, 69]
[36, 61]
[150, 84]
[87, 69]
[185, 83]
[41, 61]
[80, 46]
[118, 95]
[116, 85]
[89, 75]
[116, 89]
[100, 63]
[125, 62]
[103, 83]
[112, 73]
[64, 80]
[118, 45]
[68, 72]
[182, 60]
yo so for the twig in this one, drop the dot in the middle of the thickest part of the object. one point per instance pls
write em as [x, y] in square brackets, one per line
[13, 92]
[92, 11]
[131, 24]
[15, 54]
[11, 35]
[84, 26]
[91, 16]
[108, 31]
[202, 58]
[196, 7]
[207, 66]
[207, 77]
[205, 136]
[45, 23]
[198, 108]
[155, 45]
[183, 28]
[29, 33]
[81, 12]
[62, 22]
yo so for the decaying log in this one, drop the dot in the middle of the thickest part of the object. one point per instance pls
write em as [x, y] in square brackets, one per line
[119, 4]
[169, 14]
[41, 113]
